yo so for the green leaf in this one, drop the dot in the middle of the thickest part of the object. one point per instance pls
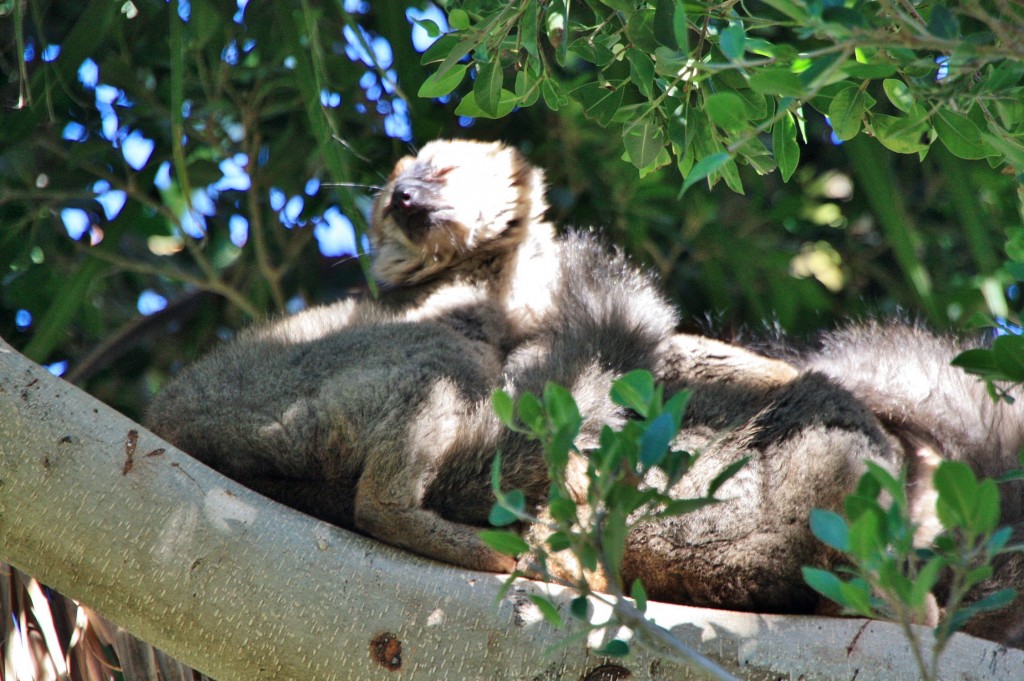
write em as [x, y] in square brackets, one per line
[528, 29]
[731, 40]
[531, 413]
[902, 134]
[821, 70]
[502, 541]
[441, 83]
[785, 146]
[432, 29]
[791, 8]
[846, 111]
[943, 23]
[665, 12]
[600, 101]
[885, 480]
[857, 597]
[640, 29]
[867, 538]
[579, 607]
[755, 104]
[621, 5]
[956, 484]
[676, 465]
[868, 71]
[634, 391]
[563, 510]
[557, 451]
[588, 557]
[443, 46]
[561, 407]
[899, 94]
[684, 506]
[614, 539]
[548, 610]
[458, 19]
[774, 80]
[551, 91]
[960, 135]
[1014, 245]
[979, 361]
[825, 583]
[995, 601]
[706, 166]
[830, 528]
[641, 71]
[644, 141]
[508, 509]
[926, 579]
[639, 595]
[726, 474]
[1008, 353]
[1002, 77]
[998, 540]
[453, 55]
[986, 507]
[823, 100]
[469, 107]
[999, 599]
[669, 63]
[487, 86]
[503, 406]
[726, 110]
[558, 541]
[614, 648]
[977, 575]
[676, 406]
[656, 439]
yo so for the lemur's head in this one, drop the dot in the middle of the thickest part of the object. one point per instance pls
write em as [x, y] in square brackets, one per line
[453, 200]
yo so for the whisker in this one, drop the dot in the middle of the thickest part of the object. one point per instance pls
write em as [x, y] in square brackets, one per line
[346, 258]
[361, 157]
[374, 187]
[348, 146]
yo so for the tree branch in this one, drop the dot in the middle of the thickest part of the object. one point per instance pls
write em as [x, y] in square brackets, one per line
[242, 588]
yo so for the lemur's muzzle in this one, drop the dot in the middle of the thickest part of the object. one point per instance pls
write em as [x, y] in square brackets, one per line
[411, 207]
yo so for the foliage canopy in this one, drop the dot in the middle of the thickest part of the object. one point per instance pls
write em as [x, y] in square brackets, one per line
[213, 160]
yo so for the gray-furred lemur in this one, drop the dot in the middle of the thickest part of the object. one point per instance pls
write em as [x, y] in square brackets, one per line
[375, 415]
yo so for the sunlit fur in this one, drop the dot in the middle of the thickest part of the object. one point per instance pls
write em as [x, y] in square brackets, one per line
[880, 392]
[376, 415]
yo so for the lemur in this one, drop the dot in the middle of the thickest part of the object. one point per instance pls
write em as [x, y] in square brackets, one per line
[375, 415]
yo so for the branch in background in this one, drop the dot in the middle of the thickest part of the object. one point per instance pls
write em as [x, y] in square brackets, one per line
[133, 333]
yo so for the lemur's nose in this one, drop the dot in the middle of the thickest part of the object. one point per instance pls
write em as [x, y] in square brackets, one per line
[410, 206]
[405, 197]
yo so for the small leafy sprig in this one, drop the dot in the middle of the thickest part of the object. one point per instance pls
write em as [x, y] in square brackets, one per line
[593, 525]
[893, 579]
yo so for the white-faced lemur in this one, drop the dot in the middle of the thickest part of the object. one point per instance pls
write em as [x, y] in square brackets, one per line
[375, 415]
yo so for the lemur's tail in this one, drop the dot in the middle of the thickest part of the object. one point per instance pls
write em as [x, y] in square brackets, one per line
[903, 374]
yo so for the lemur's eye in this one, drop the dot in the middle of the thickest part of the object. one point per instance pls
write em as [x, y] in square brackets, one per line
[442, 172]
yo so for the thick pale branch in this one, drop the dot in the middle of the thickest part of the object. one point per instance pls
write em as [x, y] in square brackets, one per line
[242, 588]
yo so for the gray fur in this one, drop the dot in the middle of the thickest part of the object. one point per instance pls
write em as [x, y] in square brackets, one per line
[376, 415]
[902, 372]
[879, 392]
